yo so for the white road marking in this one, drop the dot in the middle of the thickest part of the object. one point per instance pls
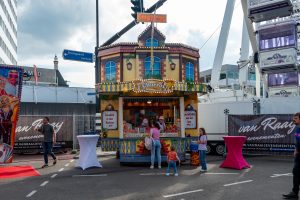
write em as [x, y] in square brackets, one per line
[54, 175]
[236, 183]
[66, 165]
[44, 183]
[31, 193]
[248, 169]
[90, 175]
[61, 169]
[219, 173]
[153, 174]
[278, 175]
[182, 193]
[71, 161]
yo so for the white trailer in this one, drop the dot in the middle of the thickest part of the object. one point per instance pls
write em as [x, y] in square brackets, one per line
[214, 118]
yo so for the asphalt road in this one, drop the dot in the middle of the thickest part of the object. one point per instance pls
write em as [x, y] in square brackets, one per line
[267, 179]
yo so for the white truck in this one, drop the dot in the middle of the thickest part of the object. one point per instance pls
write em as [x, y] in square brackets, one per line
[213, 113]
[213, 116]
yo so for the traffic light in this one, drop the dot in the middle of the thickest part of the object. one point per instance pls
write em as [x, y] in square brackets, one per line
[138, 6]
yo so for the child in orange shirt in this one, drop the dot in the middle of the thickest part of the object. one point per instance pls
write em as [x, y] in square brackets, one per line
[172, 158]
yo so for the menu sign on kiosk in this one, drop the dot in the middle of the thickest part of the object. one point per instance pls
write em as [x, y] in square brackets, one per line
[110, 120]
[190, 119]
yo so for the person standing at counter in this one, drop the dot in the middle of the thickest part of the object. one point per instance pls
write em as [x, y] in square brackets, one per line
[156, 146]
[161, 123]
[145, 121]
[202, 141]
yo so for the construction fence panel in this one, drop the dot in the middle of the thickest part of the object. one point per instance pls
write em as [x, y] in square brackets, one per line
[66, 127]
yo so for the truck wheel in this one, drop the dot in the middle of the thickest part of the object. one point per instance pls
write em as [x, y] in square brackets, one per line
[220, 149]
[208, 151]
[118, 154]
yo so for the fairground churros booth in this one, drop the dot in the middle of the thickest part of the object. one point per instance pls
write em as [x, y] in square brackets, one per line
[144, 82]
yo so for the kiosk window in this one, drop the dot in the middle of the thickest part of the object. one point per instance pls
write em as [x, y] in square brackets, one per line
[189, 68]
[110, 71]
[155, 70]
[155, 42]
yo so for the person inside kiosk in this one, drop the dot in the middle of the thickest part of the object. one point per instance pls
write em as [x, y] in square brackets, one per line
[138, 115]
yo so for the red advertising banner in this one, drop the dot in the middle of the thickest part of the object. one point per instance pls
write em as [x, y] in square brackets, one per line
[10, 95]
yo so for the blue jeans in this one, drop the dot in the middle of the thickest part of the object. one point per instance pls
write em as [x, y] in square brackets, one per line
[202, 156]
[296, 174]
[47, 147]
[172, 164]
[156, 146]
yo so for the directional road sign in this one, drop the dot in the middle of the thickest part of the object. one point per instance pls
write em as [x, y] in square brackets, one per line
[78, 56]
[148, 17]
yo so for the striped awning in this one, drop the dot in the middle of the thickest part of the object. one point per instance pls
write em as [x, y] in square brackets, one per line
[151, 86]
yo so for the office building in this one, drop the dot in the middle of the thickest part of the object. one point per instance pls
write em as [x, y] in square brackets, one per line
[8, 32]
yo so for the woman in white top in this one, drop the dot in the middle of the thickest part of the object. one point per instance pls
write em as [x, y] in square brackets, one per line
[202, 141]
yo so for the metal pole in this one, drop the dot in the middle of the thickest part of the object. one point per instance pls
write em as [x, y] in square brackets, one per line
[221, 47]
[97, 62]
[97, 24]
[133, 23]
[74, 134]
[182, 120]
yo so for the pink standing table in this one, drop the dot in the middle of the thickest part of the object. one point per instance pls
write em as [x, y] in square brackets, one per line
[234, 158]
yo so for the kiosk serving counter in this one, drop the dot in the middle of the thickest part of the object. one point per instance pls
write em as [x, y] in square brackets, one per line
[126, 117]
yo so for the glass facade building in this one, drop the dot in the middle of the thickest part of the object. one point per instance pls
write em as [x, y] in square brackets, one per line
[8, 32]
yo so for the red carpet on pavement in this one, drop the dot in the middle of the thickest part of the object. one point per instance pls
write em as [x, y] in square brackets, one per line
[17, 172]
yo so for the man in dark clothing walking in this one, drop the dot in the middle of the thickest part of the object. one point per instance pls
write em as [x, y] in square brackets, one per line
[296, 170]
[49, 138]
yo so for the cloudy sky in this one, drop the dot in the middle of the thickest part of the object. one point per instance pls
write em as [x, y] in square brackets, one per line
[46, 28]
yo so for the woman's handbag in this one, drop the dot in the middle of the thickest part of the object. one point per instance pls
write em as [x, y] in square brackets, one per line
[148, 142]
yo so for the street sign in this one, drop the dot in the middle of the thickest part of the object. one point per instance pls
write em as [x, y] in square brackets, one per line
[78, 56]
[148, 17]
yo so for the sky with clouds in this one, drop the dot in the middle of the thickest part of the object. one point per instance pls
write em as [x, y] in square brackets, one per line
[46, 28]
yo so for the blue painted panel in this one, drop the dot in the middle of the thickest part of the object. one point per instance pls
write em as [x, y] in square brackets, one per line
[78, 56]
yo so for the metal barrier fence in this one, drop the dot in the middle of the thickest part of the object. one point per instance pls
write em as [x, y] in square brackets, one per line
[82, 124]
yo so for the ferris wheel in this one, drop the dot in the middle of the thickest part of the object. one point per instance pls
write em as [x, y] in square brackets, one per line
[271, 27]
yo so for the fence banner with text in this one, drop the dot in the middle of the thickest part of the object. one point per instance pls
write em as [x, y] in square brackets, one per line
[266, 134]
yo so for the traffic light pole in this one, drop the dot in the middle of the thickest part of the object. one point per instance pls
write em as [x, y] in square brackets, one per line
[132, 24]
[97, 63]
[120, 33]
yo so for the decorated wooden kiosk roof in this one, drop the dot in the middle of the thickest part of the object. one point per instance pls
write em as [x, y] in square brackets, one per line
[131, 60]
[131, 47]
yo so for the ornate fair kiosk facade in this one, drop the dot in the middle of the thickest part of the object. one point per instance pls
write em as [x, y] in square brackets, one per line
[143, 82]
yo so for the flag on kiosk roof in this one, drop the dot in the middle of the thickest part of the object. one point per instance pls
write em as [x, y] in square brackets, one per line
[35, 74]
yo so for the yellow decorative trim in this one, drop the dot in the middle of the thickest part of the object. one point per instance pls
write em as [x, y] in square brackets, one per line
[151, 86]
